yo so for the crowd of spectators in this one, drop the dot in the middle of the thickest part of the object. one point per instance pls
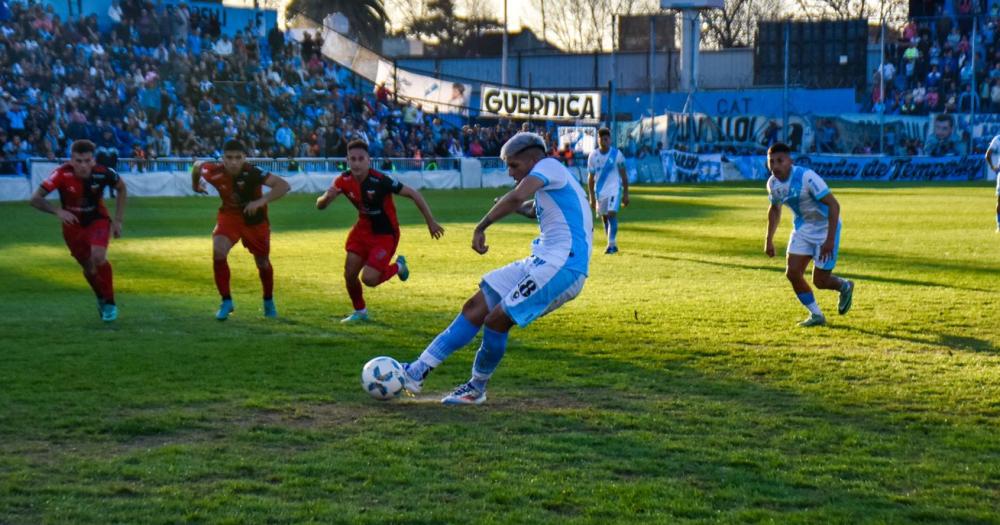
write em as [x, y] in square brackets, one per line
[931, 68]
[165, 81]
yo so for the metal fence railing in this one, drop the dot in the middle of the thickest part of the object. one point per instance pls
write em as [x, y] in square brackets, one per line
[289, 165]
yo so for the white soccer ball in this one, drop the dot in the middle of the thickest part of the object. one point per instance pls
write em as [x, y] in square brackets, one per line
[383, 378]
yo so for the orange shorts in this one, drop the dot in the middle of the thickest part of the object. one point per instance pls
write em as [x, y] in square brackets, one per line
[79, 238]
[256, 237]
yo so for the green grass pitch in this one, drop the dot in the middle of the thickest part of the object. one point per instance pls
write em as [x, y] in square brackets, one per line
[676, 388]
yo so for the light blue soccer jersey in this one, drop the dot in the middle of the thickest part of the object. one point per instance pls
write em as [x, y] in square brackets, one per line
[802, 193]
[604, 166]
[563, 217]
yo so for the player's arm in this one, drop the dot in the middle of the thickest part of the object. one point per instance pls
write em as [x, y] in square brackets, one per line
[121, 195]
[279, 187]
[527, 209]
[989, 158]
[826, 250]
[327, 197]
[773, 219]
[507, 204]
[590, 189]
[38, 202]
[410, 193]
[624, 177]
[196, 185]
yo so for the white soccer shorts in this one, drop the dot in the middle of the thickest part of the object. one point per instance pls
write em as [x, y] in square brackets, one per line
[809, 241]
[609, 204]
[530, 288]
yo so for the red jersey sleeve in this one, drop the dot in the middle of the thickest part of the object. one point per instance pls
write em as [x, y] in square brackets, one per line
[53, 182]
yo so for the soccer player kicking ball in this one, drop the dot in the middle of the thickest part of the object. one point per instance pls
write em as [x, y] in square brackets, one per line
[815, 234]
[374, 238]
[608, 190]
[85, 223]
[242, 217]
[524, 290]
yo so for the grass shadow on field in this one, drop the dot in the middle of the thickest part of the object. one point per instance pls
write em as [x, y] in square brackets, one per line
[929, 338]
[780, 448]
[781, 269]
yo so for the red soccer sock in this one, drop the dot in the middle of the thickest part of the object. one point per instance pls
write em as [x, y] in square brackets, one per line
[267, 280]
[105, 282]
[357, 294]
[221, 270]
[92, 281]
[389, 273]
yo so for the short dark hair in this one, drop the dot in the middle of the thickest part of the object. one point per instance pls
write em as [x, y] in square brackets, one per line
[234, 145]
[945, 117]
[604, 132]
[779, 147]
[83, 146]
[357, 144]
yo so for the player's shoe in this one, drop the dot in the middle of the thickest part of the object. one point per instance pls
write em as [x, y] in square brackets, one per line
[356, 317]
[813, 320]
[404, 271]
[109, 313]
[225, 309]
[846, 296]
[611, 250]
[269, 309]
[412, 384]
[465, 395]
[100, 307]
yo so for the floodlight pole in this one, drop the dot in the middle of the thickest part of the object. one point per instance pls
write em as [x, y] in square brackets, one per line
[881, 90]
[690, 41]
[784, 95]
[973, 97]
[503, 65]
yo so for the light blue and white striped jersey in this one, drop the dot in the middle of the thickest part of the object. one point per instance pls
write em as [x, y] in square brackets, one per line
[604, 166]
[564, 218]
[802, 193]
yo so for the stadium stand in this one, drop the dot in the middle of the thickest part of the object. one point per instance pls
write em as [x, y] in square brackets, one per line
[164, 82]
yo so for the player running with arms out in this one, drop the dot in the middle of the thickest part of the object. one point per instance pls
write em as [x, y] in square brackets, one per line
[608, 190]
[374, 238]
[242, 217]
[86, 225]
[815, 233]
[524, 290]
[991, 152]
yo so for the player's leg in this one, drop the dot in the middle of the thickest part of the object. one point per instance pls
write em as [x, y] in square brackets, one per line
[612, 232]
[98, 234]
[79, 247]
[494, 286]
[459, 333]
[824, 279]
[795, 273]
[543, 289]
[353, 265]
[257, 240]
[221, 245]
[266, 272]
[377, 269]
[998, 204]
[105, 281]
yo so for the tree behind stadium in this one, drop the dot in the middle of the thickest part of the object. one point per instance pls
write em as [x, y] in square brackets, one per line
[367, 17]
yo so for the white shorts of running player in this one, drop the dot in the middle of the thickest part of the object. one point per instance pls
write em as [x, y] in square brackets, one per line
[809, 241]
[530, 288]
[609, 203]
[998, 183]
